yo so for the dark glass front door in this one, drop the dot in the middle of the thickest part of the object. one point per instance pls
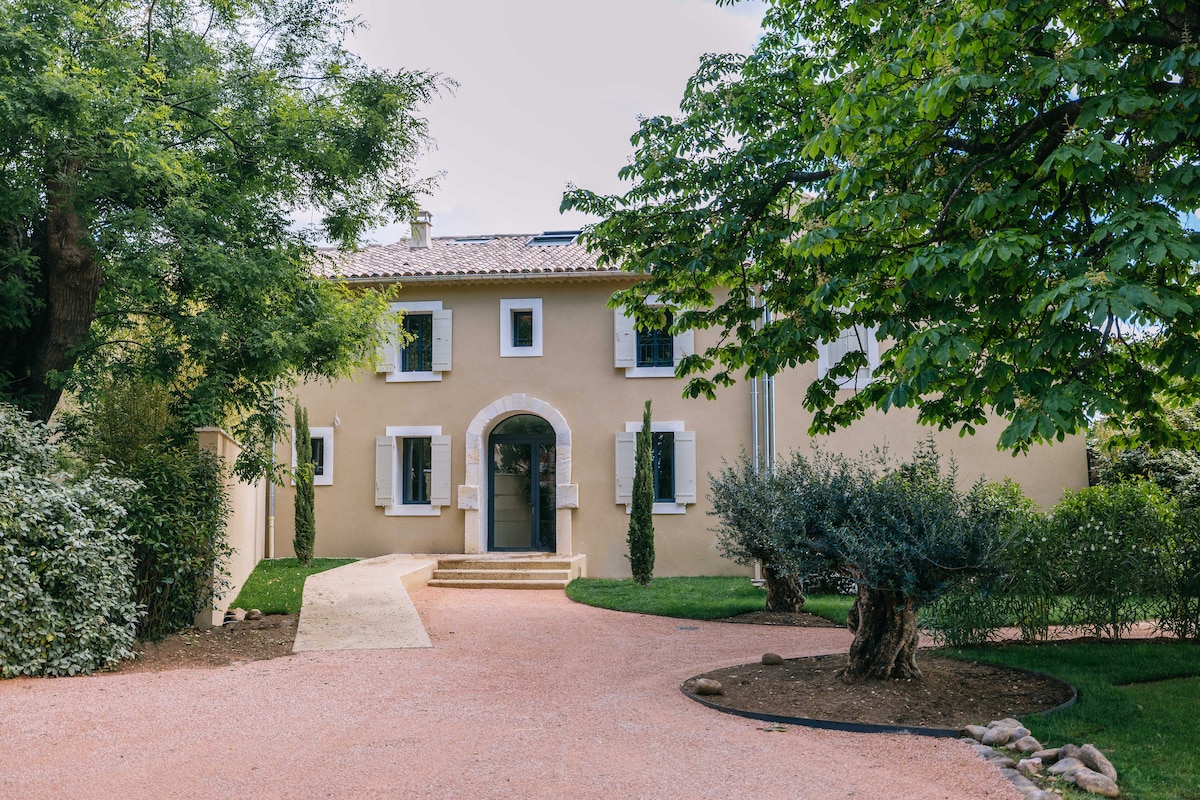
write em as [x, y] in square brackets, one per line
[521, 457]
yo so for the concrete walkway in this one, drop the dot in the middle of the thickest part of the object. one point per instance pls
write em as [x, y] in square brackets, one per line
[363, 606]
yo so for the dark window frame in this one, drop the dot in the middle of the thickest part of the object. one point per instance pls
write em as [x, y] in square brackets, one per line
[416, 464]
[663, 465]
[317, 448]
[519, 315]
[417, 353]
[656, 347]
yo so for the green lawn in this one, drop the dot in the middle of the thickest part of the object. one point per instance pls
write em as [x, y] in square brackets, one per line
[1138, 702]
[277, 585]
[692, 598]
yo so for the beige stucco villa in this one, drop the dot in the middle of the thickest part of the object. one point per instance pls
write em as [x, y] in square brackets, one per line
[506, 424]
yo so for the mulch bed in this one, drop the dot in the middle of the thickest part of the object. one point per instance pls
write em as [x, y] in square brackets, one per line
[249, 640]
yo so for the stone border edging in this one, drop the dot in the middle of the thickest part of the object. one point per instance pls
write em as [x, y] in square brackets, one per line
[870, 727]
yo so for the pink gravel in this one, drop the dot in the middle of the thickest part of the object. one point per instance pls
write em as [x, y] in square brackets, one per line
[524, 694]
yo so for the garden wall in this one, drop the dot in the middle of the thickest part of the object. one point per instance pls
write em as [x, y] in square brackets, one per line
[245, 530]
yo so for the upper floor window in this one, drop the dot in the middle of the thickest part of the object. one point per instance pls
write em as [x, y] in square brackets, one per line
[427, 352]
[417, 355]
[521, 327]
[853, 339]
[650, 353]
[656, 347]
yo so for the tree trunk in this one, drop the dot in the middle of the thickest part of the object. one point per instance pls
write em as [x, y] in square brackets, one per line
[884, 624]
[784, 593]
[72, 276]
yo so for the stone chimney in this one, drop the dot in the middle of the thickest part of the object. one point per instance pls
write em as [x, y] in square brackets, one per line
[421, 225]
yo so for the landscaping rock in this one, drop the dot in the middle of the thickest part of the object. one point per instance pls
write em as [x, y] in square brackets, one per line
[1026, 744]
[1096, 761]
[1068, 751]
[1043, 794]
[1066, 767]
[1023, 784]
[772, 659]
[708, 687]
[976, 732]
[1048, 756]
[1017, 733]
[1001, 761]
[996, 737]
[1094, 782]
[1030, 766]
[1007, 722]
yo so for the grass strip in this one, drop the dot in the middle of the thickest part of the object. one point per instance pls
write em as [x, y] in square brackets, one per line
[693, 597]
[276, 586]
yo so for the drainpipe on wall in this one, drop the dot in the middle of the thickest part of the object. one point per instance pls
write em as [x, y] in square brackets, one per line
[754, 419]
[769, 405]
[271, 498]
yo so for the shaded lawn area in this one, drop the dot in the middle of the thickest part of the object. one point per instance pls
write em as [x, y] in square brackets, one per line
[276, 586]
[1138, 702]
[693, 598]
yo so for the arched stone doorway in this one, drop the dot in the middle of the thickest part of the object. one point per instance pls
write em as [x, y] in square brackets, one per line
[475, 494]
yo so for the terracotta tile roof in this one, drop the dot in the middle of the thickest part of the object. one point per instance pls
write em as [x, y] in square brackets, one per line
[448, 256]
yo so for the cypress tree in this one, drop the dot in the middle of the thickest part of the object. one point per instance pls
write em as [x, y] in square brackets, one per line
[306, 525]
[641, 517]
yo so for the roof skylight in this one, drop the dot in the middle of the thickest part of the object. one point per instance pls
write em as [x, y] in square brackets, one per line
[553, 238]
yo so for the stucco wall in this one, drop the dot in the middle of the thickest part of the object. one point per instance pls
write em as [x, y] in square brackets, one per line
[575, 375]
[245, 527]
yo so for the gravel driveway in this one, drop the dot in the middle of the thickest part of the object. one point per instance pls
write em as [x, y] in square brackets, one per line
[524, 694]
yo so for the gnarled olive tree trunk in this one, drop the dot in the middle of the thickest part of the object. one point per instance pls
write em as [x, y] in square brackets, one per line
[884, 624]
[784, 593]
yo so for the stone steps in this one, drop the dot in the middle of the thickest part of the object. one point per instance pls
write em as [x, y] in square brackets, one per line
[516, 572]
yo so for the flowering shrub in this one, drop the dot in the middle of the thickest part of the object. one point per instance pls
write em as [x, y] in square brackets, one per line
[66, 564]
[1110, 546]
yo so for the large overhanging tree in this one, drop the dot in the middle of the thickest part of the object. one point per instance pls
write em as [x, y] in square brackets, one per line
[1004, 189]
[153, 156]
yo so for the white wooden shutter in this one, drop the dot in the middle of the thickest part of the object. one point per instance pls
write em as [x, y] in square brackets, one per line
[685, 466]
[683, 344]
[625, 340]
[626, 449]
[439, 471]
[385, 470]
[442, 344]
[385, 354]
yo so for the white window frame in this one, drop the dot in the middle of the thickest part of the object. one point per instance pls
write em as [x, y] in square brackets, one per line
[687, 473]
[388, 359]
[864, 375]
[683, 344]
[318, 433]
[507, 307]
[397, 508]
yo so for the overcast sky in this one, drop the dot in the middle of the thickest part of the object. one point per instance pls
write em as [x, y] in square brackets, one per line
[549, 93]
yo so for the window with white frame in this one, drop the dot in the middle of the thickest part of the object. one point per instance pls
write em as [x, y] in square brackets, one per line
[320, 442]
[854, 339]
[412, 471]
[521, 327]
[673, 465]
[426, 354]
[649, 352]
